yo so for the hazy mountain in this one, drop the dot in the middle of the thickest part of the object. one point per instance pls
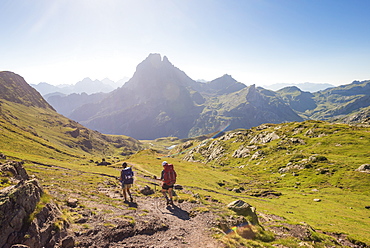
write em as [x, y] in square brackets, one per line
[66, 104]
[161, 100]
[332, 103]
[87, 85]
[310, 87]
[297, 99]
[222, 85]
[248, 107]
[154, 103]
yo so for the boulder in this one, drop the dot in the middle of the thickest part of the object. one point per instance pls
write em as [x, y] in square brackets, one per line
[16, 169]
[364, 168]
[68, 242]
[147, 190]
[72, 202]
[243, 208]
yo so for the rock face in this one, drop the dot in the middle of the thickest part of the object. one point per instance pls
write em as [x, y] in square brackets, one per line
[17, 206]
[18, 202]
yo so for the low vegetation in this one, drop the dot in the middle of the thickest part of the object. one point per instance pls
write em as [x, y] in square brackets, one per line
[305, 172]
[300, 173]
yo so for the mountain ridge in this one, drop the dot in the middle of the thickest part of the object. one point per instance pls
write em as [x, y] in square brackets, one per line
[86, 85]
[173, 103]
[15, 89]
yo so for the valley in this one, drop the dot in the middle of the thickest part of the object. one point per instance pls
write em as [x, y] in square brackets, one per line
[301, 183]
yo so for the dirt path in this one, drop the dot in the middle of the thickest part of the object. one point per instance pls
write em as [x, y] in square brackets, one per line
[145, 222]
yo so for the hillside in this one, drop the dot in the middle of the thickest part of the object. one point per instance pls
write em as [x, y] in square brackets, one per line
[13, 88]
[52, 177]
[332, 103]
[31, 127]
[311, 172]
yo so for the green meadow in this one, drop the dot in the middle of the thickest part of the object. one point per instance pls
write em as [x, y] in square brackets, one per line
[305, 161]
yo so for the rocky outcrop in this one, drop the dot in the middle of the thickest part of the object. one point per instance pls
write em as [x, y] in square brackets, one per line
[364, 168]
[242, 208]
[20, 222]
[17, 204]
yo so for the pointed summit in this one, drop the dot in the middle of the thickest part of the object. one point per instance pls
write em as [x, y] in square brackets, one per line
[154, 61]
[154, 76]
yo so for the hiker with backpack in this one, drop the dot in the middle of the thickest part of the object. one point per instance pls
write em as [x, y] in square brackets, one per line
[126, 179]
[168, 178]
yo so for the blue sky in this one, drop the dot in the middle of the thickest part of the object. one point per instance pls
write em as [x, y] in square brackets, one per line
[255, 41]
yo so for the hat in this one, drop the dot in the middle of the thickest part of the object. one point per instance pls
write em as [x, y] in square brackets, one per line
[164, 163]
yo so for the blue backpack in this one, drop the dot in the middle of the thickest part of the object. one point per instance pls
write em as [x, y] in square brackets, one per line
[127, 176]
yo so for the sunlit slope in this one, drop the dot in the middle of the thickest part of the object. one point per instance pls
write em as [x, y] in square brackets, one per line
[32, 129]
[38, 132]
[305, 172]
[316, 148]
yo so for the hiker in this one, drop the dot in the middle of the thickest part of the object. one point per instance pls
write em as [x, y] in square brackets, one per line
[168, 178]
[126, 179]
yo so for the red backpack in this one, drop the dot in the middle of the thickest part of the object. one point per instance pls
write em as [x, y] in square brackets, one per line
[169, 174]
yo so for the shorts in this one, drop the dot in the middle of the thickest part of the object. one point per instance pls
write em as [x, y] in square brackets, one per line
[126, 186]
[165, 186]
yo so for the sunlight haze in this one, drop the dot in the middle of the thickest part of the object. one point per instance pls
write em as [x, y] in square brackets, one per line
[256, 42]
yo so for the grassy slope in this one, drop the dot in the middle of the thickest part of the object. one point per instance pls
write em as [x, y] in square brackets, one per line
[42, 135]
[343, 192]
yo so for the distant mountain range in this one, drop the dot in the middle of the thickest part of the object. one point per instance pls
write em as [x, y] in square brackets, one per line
[87, 85]
[160, 100]
[310, 87]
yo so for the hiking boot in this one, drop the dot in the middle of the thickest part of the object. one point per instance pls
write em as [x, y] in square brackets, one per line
[170, 202]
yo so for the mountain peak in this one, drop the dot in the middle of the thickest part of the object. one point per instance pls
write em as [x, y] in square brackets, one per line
[154, 60]
[224, 84]
[157, 73]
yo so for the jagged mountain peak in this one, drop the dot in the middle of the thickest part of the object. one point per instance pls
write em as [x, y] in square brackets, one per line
[154, 60]
[155, 75]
